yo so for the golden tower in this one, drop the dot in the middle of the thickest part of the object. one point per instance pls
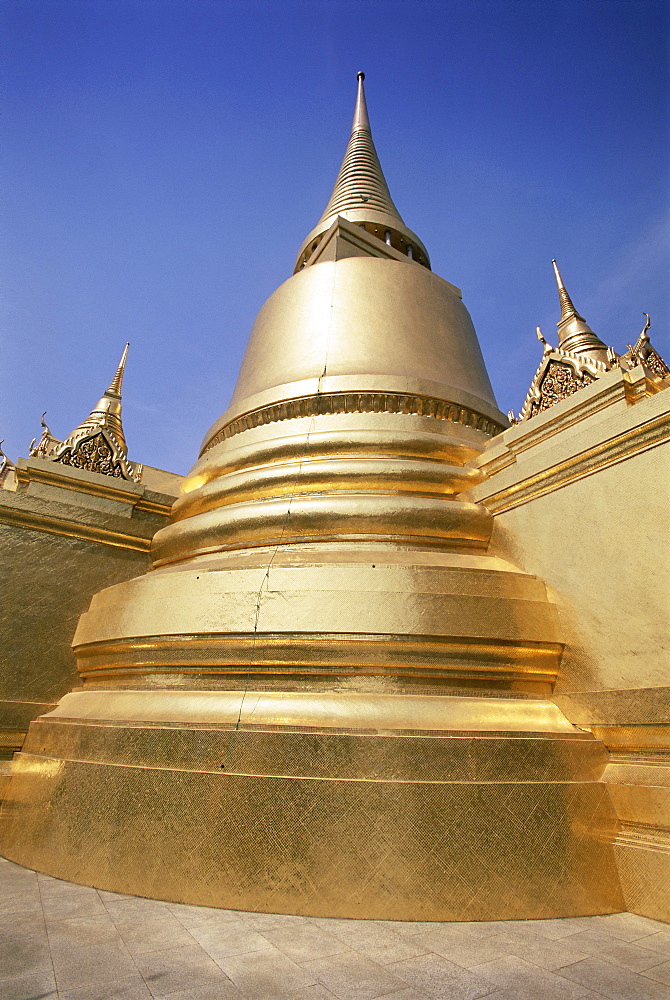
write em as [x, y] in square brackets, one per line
[329, 696]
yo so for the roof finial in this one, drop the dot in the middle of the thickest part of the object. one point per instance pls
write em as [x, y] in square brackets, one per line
[98, 444]
[567, 308]
[115, 386]
[574, 334]
[361, 119]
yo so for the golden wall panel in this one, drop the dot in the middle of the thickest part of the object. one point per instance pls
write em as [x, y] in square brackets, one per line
[47, 583]
[64, 534]
[645, 878]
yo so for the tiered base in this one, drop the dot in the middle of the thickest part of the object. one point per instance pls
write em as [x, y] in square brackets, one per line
[493, 810]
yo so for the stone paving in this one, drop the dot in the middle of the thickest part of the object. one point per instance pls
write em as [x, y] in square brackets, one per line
[69, 942]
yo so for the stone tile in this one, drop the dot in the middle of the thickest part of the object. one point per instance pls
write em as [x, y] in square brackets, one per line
[222, 989]
[304, 942]
[222, 941]
[54, 887]
[437, 977]
[559, 928]
[195, 916]
[656, 942]
[266, 973]
[630, 956]
[261, 921]
[107, 896]
[624, 953]
[628, 926]
[23, 956]
[614, 982]
[152, 933]
[13, 885]
[408, 994]
[315, 992]
[91, 966]
[408, 928]
[123, 989]
[529, 981]
[660, 973]
[28, 902]
[458, 946]
[525, 995]
[85, 952]
[535, 950]
[21, 922]
[30, 987]
[374, 939]
[61, 905]
[167, 972]
[353, 977]
[70, 933]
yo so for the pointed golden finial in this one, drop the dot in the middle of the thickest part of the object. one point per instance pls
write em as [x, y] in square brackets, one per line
[361, 182]
[115, 385]
[567, 308]
[361, 194]
[361, 119]
[575, 336]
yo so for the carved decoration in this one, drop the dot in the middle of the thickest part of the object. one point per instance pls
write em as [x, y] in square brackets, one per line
[5, 463]
[558, 382]
[655, 362]
[94, 455]
[93, 447]
[98, 444]
[562, 373]
[644, 354]
[355, 402]
[559, 375]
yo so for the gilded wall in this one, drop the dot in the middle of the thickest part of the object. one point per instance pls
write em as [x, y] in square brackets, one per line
[65, 534]
[580, 496]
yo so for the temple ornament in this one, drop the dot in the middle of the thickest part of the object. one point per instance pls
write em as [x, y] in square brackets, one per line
[98, 444]
[580, 358]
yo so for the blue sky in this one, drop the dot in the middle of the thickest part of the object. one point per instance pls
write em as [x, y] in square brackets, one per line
[163, 159]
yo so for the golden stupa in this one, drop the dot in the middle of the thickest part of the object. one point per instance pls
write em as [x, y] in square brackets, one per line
[329, 696]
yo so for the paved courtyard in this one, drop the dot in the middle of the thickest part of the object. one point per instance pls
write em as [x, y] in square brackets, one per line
[69, 942]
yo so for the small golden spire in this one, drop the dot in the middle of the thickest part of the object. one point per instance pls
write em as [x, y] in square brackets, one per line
[567, 308]
[98, 444]
[575, 336]
[115, 386]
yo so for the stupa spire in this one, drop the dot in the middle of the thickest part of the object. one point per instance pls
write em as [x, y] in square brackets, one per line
[574, 333]
[361, 194]
[361, 119]
[360, 183]
[115, 385]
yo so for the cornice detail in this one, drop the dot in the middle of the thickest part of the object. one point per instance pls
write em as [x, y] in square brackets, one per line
[355, 402]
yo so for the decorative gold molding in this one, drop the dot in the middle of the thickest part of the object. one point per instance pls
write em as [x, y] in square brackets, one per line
[617, 449]
[643, 835]
[73, 529]
[355, 402]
